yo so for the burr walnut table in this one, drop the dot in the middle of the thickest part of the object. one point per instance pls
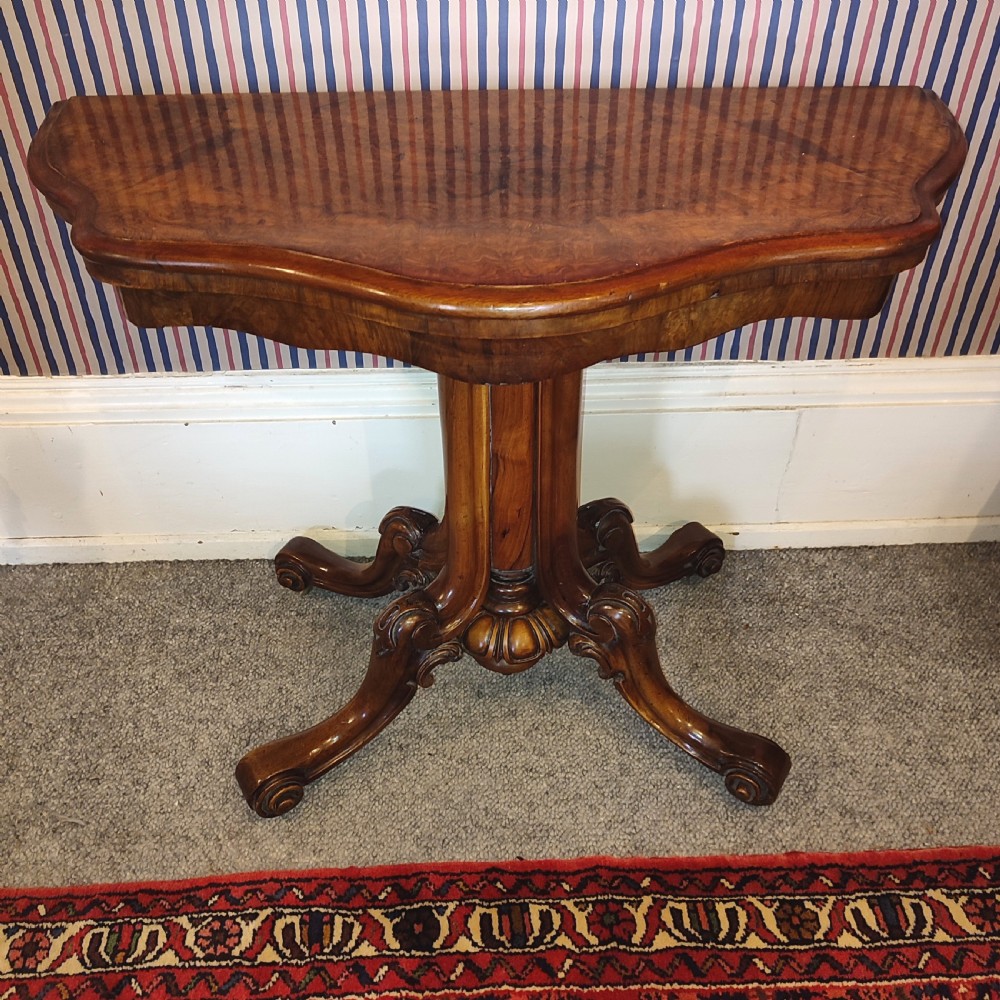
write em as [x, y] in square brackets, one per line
[506, 241]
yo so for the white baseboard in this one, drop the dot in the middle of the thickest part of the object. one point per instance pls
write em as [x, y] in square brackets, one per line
[229, 466]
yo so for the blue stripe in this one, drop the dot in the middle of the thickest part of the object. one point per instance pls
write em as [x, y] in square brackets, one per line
[734, 44]
[184, 26]
[195, 349]
[503, 40]
[676, 46]
[562, 9]
[208, 50]
[324, 21]
[712, 52]
[617, 44]
[243, 342]
[273, 80]
[212, 339]
[262, 344]
[89, 48]
[15, 350]
[164, 346]
[28, 37]
[770, 42]
[958, 56]
[793, 36]
[595, 59]
[366, 58]
[826, 47]
[305, 40]
[246, 45]
[445, 47]
[131, 64]
[786, 333]
[148, 45]
[942, 37]
[847, 42]
[885, 35]
[70, 53]
[540, 47]
[656, 33]
[385, 37]
[903, 45]
[481, 40]
[423, 44]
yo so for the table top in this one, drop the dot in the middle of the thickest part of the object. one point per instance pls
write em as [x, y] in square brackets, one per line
[513, 205]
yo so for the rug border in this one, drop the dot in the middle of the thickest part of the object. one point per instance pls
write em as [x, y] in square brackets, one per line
[790, 859]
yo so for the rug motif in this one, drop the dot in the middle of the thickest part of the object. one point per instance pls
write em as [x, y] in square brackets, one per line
[795, 927]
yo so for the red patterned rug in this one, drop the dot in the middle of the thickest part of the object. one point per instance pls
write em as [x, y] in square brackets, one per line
[795, 927]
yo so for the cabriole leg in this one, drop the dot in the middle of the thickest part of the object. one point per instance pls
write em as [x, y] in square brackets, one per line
[404, 559]
[611, 554]
[621, 637]
[405, 650]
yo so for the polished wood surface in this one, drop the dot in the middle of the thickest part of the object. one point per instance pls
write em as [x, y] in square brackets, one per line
[505, 241]
[500, 236]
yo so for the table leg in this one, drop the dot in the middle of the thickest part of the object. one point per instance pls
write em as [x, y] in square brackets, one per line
[513, 564]
[610, 551]
[405, 558]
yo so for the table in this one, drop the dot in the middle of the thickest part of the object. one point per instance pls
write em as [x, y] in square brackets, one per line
[506, 241]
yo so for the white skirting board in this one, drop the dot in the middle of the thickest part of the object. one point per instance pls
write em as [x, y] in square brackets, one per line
[231, 465]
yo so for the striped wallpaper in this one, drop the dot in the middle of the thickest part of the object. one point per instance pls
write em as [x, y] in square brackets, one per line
[57, 320]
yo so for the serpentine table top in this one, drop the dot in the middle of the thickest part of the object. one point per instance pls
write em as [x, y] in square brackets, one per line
[499, 236]
[505, 240]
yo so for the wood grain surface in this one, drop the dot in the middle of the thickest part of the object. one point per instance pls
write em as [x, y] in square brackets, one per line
[418, 225]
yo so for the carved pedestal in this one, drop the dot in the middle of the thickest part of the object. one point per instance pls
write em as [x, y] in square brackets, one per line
[515, 569]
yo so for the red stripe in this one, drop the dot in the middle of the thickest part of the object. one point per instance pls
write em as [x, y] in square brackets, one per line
[918, 62]
[865, 43]
[110, 52]
[53, 61]
[286, 35]
[580, 10]
[751, 54]
[346, 47]
[168, 46]
[463, 48]
[810, 35]
[845, 338]
[521, 45]
[182, 362]
[636, 48]
[404, 36]
[695, 44]
[227, 40]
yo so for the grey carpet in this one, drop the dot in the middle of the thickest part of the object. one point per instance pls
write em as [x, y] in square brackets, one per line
[130, 691]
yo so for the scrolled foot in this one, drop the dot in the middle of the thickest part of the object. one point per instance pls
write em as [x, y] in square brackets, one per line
[753, 783]
[612, 554]
[291, 569]
[621, 639]
[275, 795]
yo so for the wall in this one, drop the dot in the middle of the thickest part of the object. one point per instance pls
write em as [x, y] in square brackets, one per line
[56, 320]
